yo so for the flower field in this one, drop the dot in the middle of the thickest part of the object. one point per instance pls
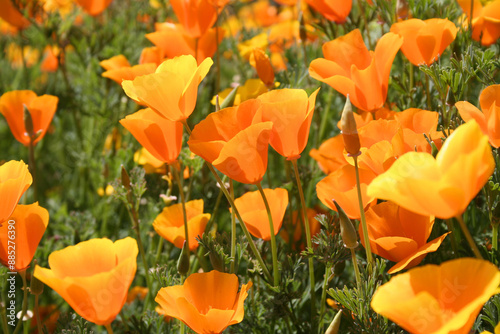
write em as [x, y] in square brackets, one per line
[257, 166]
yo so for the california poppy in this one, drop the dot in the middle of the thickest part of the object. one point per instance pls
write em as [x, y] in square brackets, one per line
[29, 222]
[196, 16]
[333, 10]
[172, 90]
[262, 64]
[425, 40]
[170, 223]
[489, 119]
[293, 229]
[149, 162]
[160, 136]
[351, 69]
[93, 276]
[253, 211]
[15, 179]
[399, 235]
[206, 302]
[115, 62]
[41, 108]
[444, 186]
[235, 141]
[291, 112]
[251, 89]
[438, 299]
[12, 16]
[94, 7]
[485, 20]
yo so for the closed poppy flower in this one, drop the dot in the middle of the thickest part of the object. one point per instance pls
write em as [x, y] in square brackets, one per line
[93, 276]
[11, 15]
[351, 69]
[169, 224]
[444, 186]
[438, 299]
[174, 41]
[333, 10]
[260, 61]
[425, 40]
[94, 7]
[30, 223]
[160, 136]
[206, 302]
[399, 235]
[196, 16]
[235, 141]
[485, 20]
[41, 108]
[291, 112]
[15, 179]
[253, 211]
[172, 90]
[489, 119]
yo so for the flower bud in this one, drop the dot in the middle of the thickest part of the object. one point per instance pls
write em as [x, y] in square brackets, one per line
[335, 325]
[349, 130]
[347, 230]
[183, 261]
[28, 123]
[36, 286]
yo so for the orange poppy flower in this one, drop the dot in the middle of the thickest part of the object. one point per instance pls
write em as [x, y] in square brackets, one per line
[330, 154]
[196, 16]
[15, 179]
[206, 302]
[94, 7]
[93, 276]
[173, 40]
[149, 162]
[29, 222]
[444, 186]
[399, 235]
[50, 62]
[153, 55]
[489, 119]
[294, 230]
[291, 112]
[485, 20]
[253, 211]
[251, 89]
[11, 15]
[438, 299]
[169, 224]
[160, 136]
[118, 68]
[351, 69]
[115, 62]
[235, 141]
[341, 187]
[41, 108]
[425, 41]
[333, 10]
[172, 90]
[260, 61]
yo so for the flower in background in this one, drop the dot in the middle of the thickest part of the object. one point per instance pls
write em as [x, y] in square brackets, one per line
[160, 136]
[352, 70]
[30, 223]
[118, 68]
[260, 61]
[253, 211]
[15, 179]
[235, 141]
[50, 62]
[425, 41]
[444, 186]
[438, 299]
[196, 16]
[94, 7]
[333, 10]
[93, 276]
[293, 229]
[489, 119]
[251, 89]
[485, 20]
[169, 224]
[399, 235]
[291, 112]
[149, 162]
[11, 15]
[41, 108]
[173, 89]
[206, 302]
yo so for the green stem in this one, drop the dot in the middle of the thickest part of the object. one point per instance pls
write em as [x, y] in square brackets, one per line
[494, 236]
[368, 249]
[356, 268]
[233, 230]
[274, 250]
[468, 236]
[177, 178]
[428, 93]
[410, 68]
[453, 240]
[238, 215]
[25, 301]
[37, 316]
[159, 251]
[4, 316]
[217, 62]
[362, 10]
[108, 328]
[32, 164]
[323, 297]
[307, 228]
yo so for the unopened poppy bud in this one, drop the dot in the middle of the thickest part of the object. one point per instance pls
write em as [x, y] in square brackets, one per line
[349, 130]
[402, 9]
[450, 98]
[28, 123]
[347, 230]
[125, 179]
[335, 325]
[183, 261]
[216, 261]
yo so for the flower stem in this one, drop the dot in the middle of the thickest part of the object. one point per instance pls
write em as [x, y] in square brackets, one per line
[22, 273]
[276, 272]
[233, 230]
[37, 316]
[178, 179]
[468, 236]
[494, 237]
[323, 297]
[356, 268]
[362, 10]
[108, 328]
[307, 228]
[32, 164]
[369, 257]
